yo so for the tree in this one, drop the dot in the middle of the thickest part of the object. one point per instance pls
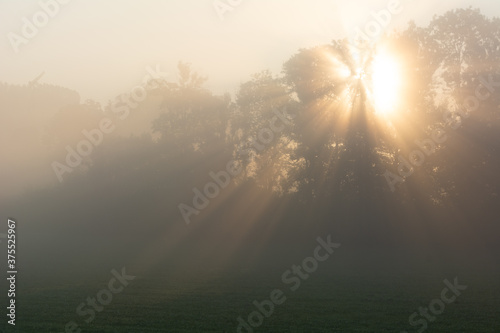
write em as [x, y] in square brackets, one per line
[261, 137]
[336, 129]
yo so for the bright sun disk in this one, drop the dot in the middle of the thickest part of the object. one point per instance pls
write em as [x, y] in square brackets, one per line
[386, 83]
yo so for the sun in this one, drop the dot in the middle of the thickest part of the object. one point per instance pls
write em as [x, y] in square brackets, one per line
[385, 83]
[378, 71]
[360, 73]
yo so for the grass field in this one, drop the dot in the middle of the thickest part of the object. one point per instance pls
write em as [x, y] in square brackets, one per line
[333, 301]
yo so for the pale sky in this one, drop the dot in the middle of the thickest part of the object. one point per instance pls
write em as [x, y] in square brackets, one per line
[100, 48]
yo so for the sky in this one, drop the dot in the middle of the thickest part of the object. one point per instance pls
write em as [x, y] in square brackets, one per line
[102, 48]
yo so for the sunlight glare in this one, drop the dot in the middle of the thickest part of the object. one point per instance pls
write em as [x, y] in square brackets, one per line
[386, 83]
[360, 73]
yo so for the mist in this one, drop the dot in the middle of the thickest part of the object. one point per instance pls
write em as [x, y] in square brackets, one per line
[216, 166]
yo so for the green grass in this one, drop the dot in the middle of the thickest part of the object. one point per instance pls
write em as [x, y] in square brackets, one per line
[327, 302]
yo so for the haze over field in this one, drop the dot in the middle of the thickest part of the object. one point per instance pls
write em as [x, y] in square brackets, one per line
[250, 166]
[100, 49]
